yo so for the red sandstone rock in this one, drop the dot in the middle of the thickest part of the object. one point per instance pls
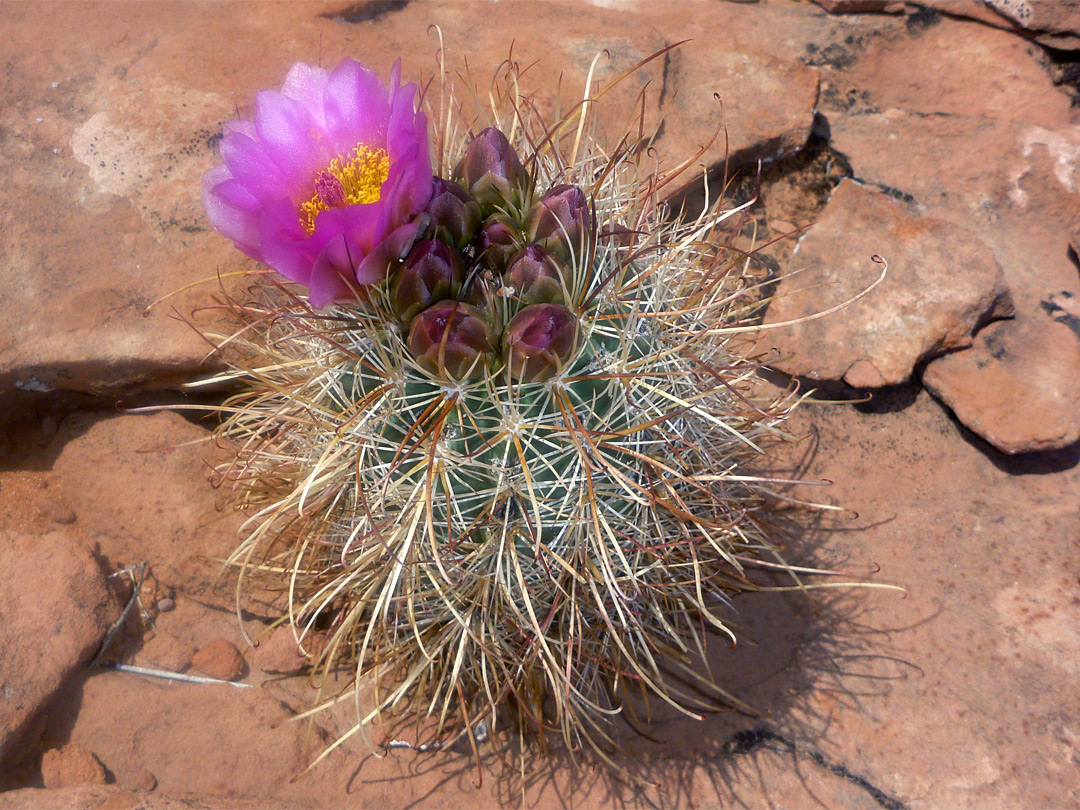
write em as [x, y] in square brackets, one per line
[70, 766]
[766, 106]
[151, 500]
[954, 68]
[229, 747]
[219, 659]
[1052, 22]
[117, 155]
[942, 283]
[1016, 185]
[1018, 387]
[103, 169]
[995, 152]
[56, 607]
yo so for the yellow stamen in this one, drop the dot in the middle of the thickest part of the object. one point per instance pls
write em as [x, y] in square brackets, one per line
[360, 178]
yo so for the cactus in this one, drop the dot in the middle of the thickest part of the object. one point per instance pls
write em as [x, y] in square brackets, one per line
[512, 509]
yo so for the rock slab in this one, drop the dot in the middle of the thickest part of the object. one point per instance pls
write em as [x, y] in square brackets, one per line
[1051, 22]
[765, 106]
[55, 607]
[1017, 387]
[942, 284]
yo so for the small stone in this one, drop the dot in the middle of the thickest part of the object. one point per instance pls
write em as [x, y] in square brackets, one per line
[1018, 387]
[142, 780]
[166, 604]
[69, 766]
[219, 659]
[279, 654]
[148, 589]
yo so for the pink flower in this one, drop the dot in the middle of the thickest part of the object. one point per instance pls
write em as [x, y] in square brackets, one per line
[326, 184]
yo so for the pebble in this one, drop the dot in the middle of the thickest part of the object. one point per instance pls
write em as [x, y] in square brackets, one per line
[280, 655]
[143, 781]
[166, 604]
[219, 659]
[69, 766]
[149, 587]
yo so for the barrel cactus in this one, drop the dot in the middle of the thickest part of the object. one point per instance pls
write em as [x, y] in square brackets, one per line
[508, 474]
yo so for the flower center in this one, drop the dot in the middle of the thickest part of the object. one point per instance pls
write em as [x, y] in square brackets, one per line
[358, 179]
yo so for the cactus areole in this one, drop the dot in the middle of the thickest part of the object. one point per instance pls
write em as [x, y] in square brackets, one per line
[500, 437]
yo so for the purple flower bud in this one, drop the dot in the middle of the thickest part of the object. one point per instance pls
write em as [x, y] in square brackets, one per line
[539, 341]
[492, 171]
[452, 340]
[481, 294]
[455, 215]
[560, 221]
[433, 272]
[536, 276]
[497, 241]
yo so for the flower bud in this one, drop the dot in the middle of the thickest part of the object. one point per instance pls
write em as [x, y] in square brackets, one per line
[492, 171]
[432, 272]
[481, 294]
[536, 276]
[497, 241]
[452, 340]
[560, 222]
[455, 215]
[539, 341]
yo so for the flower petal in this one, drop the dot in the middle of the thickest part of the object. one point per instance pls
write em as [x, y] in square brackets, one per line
[405, 126]
[306, 85]
[391, 249]
[284, 244]
[292, 141]
[357, 108]
[232, 211]
[358, 223]
[241, 126]
[408, 187]
[252, 166]
[327, 283]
